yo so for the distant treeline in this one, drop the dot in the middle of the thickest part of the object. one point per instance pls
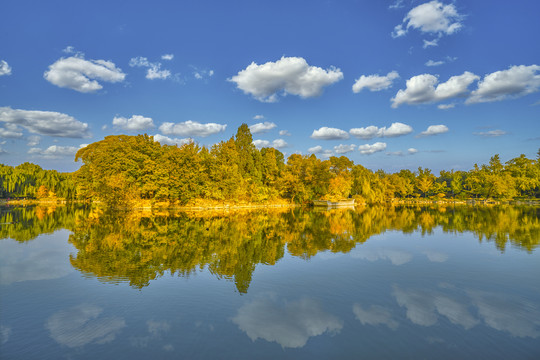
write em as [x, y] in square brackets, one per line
[31, 181]
[122, 170]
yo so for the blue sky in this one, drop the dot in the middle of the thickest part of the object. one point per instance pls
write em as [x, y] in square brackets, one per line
[389, 84]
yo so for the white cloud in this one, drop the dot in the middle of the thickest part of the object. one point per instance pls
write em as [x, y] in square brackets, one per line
[33, 140]
[54, 151]
[165, 140]
[153, 71]
[326, 133]
[515, 82]
[371, 149]
[81, 325]
[5, 69]
[262, 127]
[428, 43]
[369, 132]
[446, 106]
[290, 324]
[375, 315]
[421, 89]
[434, 63]
[134, 123]
[291, 75]
[258, 117]
[315, 149]
[412, 151]
[398, 4]
[433, 17]
[47, 123]
[375, 82]
[491, 133]
[261, 143]
[395, 153]
[191, 128]
[202, 74]
[279, 144]
[10, 131]
[434, 130]
[139, 61]
[81, 75]
[167, 56]
[284, 133]
[343, 149]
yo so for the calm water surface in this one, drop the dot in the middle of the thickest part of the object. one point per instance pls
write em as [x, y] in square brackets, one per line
[377, 282]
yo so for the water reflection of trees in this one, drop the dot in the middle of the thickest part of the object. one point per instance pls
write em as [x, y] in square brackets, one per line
[138, 247]
[26, 223]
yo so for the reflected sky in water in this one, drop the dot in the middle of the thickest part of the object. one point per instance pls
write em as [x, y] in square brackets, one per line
[382, 282]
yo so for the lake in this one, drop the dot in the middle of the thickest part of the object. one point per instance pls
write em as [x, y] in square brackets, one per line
[382, 282]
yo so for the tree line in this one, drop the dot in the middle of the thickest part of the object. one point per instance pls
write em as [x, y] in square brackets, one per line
[122, 170]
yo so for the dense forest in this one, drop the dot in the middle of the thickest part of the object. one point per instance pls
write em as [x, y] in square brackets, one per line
[122, 170]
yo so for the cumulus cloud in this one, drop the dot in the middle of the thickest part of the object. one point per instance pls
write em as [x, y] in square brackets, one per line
[433, 17]
[421, 89]
[446, 106]
[261, 143]
[48, 123]
[258, 117]
[369, 132]
[434, 63]
[202, 74]
[284, 133]
[491, 133]
[434, 130]
[54, 151]
[191, 128]
[375, 315]
[134, 123]
[165, 140]
[368, 149]
[167, 56]
[326, 133]
[515, 82]
[374, 82]
[82, 75]
[81, 325]
[5, 69]
[412, 151]
[290, 324]
[33, 140]
[263, 127]
[279, 144]
[343, 149]
[153, 70]
[10, 131]
[290, 75]
[320, 151]
[429, 43]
